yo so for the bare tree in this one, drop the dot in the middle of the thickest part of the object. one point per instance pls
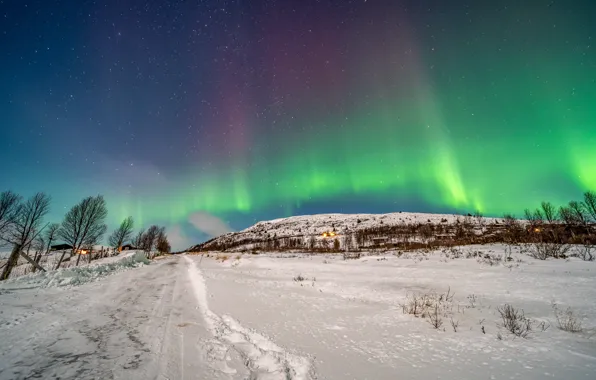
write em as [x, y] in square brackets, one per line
[84, 224]
[149, 239]
[10, 204]
[51, 235]
[39, 245]
[163, 245]
[122, 233]
[534, 217]
[590, 204]
[577, 208]
[138, 239]
[567, 215]
[549, 211]
[25, 227]
[538, 216]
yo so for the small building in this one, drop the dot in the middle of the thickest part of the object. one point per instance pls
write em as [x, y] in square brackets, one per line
[60, 247]
[128, 247]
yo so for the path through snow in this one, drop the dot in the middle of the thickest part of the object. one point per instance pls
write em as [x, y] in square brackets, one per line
[263, 358]
[183, 318]
[152, 322]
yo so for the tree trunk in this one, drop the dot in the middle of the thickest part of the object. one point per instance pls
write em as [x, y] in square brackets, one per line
[78, 258]
[12, 261]
[31, 261]
[61, 258]
[36, 259]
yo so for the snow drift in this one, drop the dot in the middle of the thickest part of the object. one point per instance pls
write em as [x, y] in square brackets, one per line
[80, 275]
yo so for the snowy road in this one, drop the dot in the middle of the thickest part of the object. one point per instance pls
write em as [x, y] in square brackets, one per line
[248, 318]
[149, 323]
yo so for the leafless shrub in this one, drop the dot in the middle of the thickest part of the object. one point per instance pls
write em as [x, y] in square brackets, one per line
[489, 259]
[472, 299]
[351, 255]
[416, 305]
[453, 252]
[435, 318]
[586, 252]
[434, 306]
[567, 320]
[473, 254]
[515, 321]
[299, 278]
[454, 325]
[543, 250]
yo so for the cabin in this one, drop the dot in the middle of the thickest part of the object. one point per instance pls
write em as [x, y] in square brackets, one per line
[128, 247]
[60, 247]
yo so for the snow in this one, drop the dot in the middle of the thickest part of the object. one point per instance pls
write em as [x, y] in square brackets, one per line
[189, 317]
[81, 274]
[263, 358]
[348, 314]
[315, 225]
[49, 261]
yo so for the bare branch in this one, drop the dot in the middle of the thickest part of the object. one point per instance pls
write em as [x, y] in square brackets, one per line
[589, 204]
[549, 211]
[84, 224]
[10, 204]
[122, 233]
[25, 227]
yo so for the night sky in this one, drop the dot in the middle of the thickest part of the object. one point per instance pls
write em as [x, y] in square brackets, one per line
[216, 114]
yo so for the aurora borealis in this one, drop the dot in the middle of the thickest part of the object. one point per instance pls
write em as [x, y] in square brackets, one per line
[250, 110]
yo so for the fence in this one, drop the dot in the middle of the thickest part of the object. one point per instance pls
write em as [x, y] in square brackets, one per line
[50, 260]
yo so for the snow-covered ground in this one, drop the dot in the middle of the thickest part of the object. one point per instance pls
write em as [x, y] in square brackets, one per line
[315, 225]
[49, 260]
[285, 316]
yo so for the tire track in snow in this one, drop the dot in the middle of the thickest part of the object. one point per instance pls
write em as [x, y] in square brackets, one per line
[263, 359]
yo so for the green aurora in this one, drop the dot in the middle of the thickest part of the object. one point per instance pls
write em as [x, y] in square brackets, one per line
[402, 149]
[272, 109]
[469, 127]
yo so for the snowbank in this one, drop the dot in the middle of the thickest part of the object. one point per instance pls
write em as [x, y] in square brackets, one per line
[349, 314]
[80, 275]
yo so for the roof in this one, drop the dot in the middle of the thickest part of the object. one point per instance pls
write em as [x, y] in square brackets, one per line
[61, 246]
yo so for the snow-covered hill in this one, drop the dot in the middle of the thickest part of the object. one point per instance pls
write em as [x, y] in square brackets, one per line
[307, 226]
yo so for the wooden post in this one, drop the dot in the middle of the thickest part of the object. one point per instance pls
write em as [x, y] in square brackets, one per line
[32, 262]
